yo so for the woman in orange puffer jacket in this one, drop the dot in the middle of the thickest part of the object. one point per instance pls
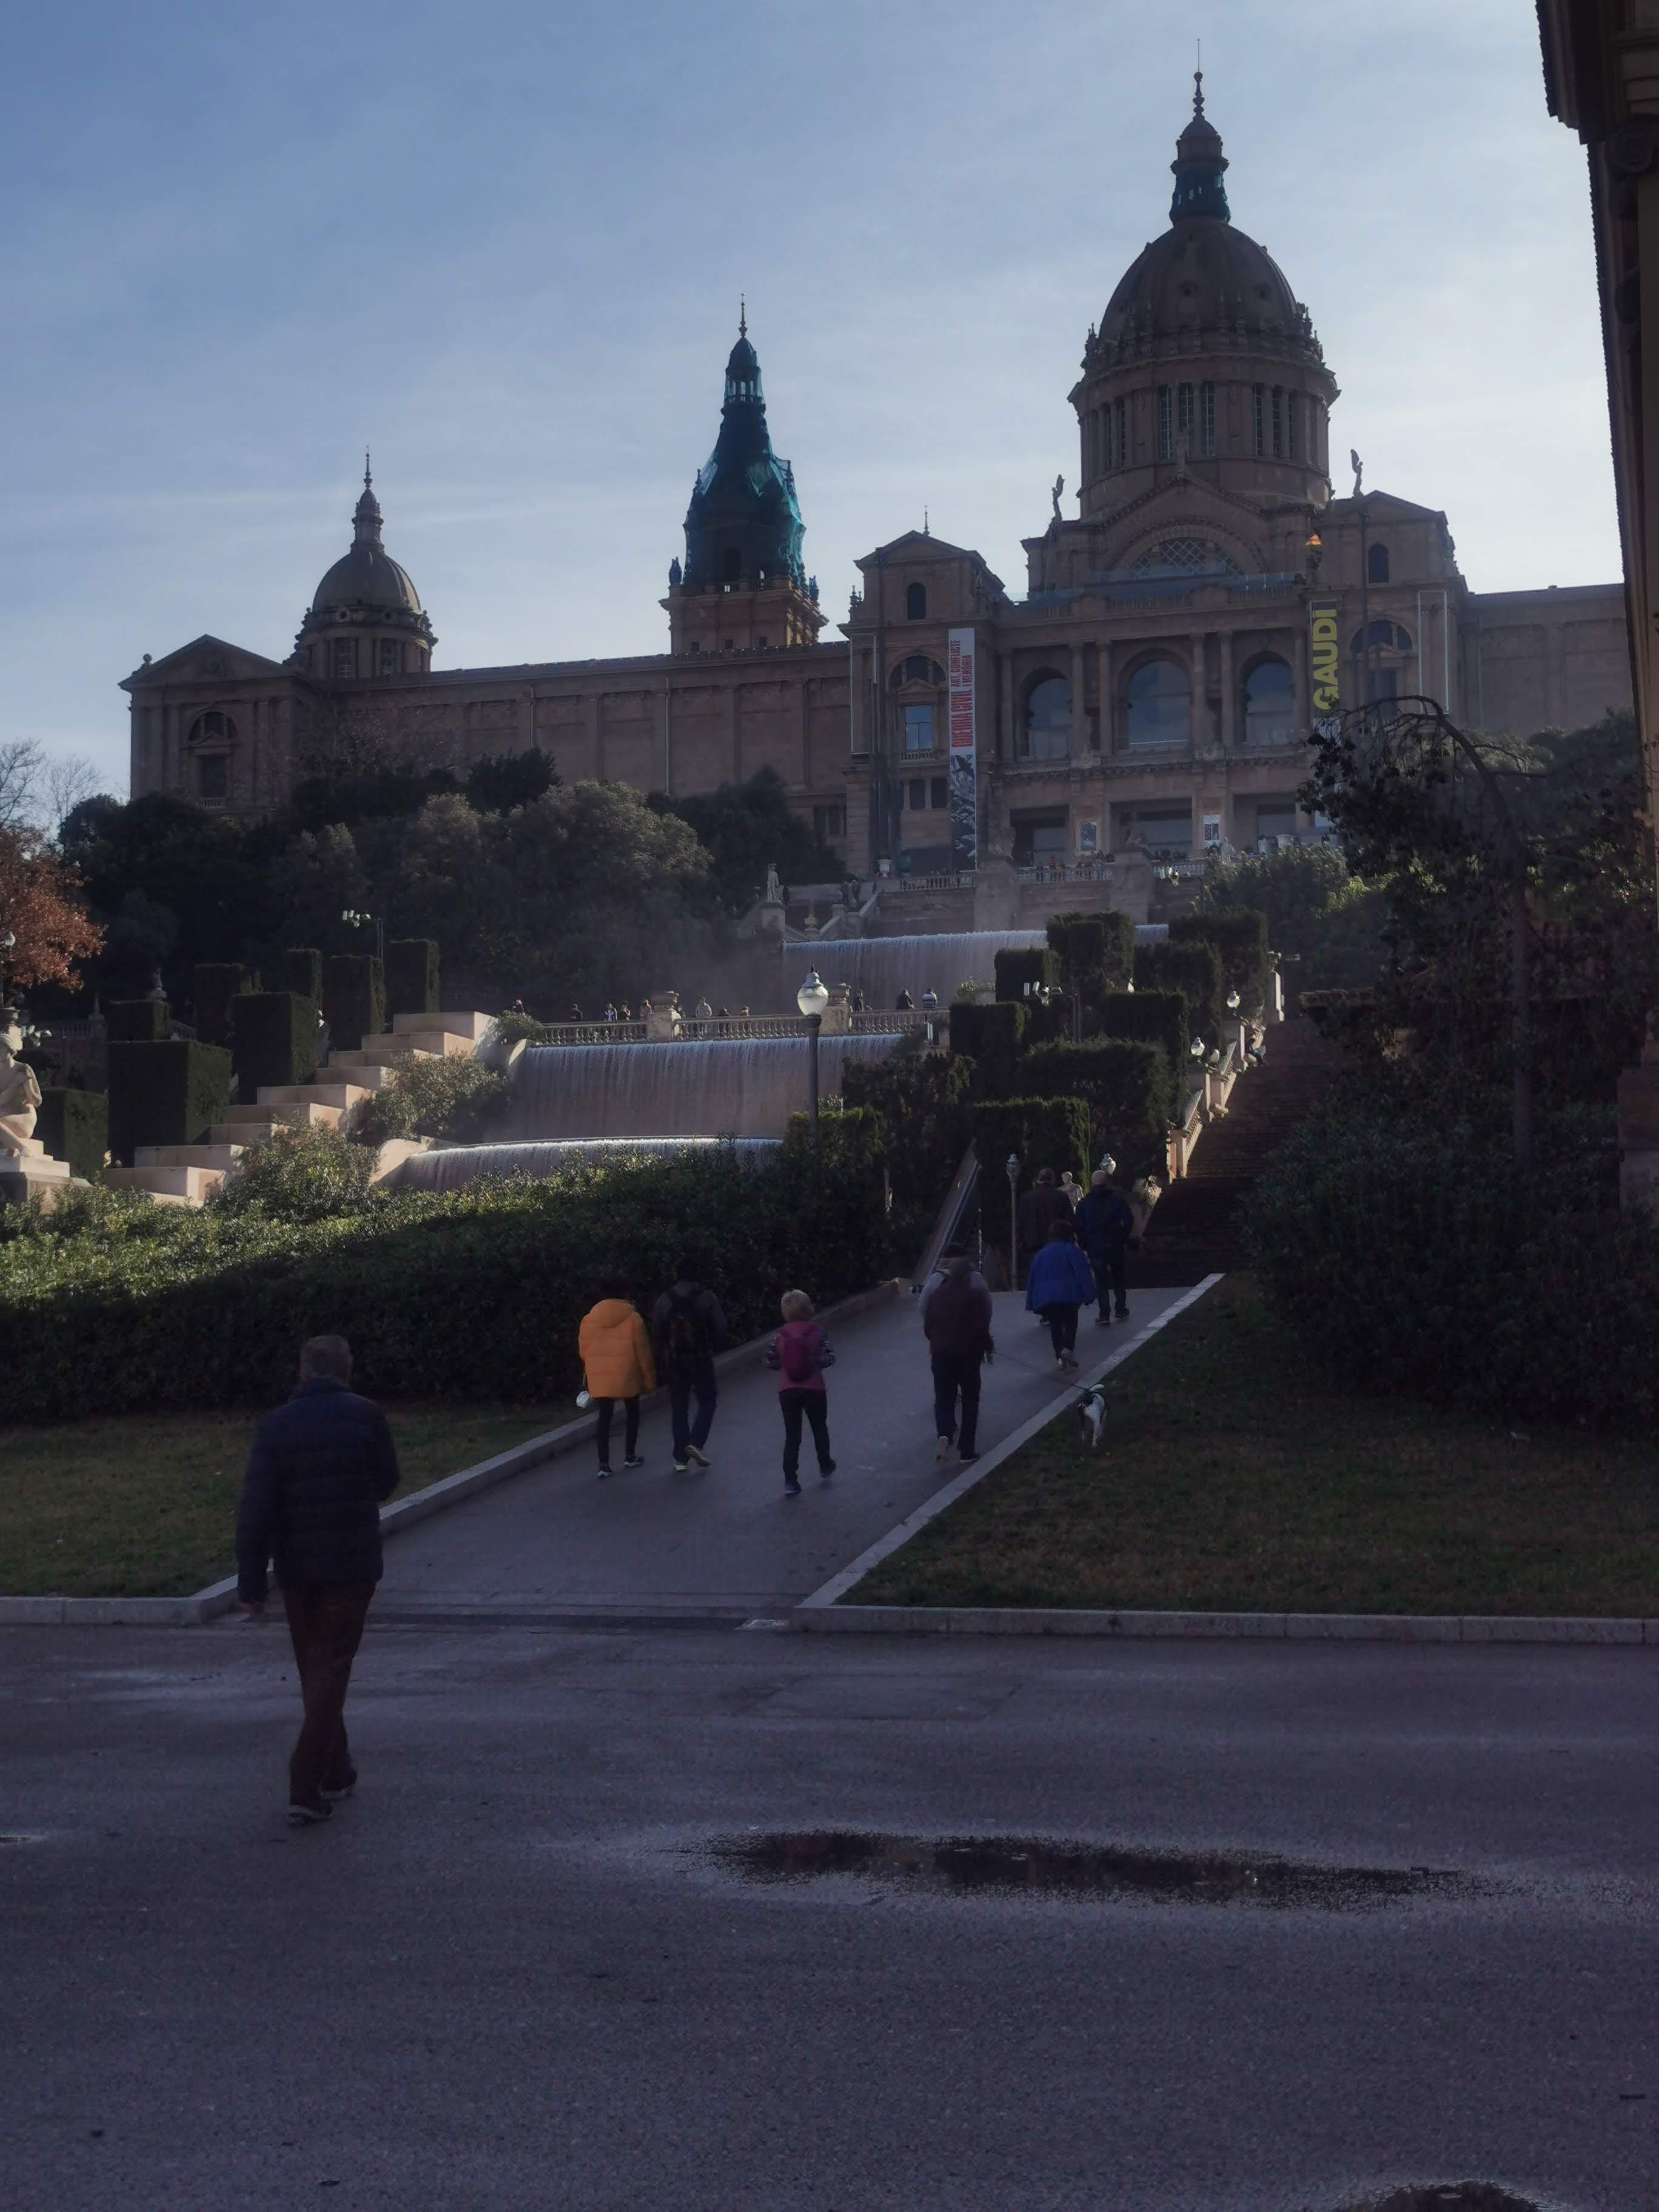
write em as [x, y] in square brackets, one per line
[616, 1349]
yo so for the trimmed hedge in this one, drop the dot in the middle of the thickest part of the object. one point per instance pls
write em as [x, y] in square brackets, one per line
[990, 1034]
[1020, 966]
[165, 1094]
[1154, 1017]
[74, 1126]
[1095, 952]
[354, 999]
[921, 1103]
[1046, 1132]
[1194, 970]
[217, 982]
[302, 972]
[274, 1041]
[136, 1021]
[1239, 934]
[473, 1295]
[411, 976]
[1130, 1089]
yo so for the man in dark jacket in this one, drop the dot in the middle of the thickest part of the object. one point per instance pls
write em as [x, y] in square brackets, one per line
[311, 1501]
[956, 1317]
[1105, 1222]
[1043, 1205]
[688, 1328]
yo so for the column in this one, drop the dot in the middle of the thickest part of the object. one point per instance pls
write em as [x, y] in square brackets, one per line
[1203, 740]
[1106, 680]
[1303, 680]
[1080, 717]
[1006, 707]
[1229, 694]
[734, 737]
[801, 687]
[596, 735]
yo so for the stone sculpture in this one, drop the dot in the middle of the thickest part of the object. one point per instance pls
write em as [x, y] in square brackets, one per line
[20, 1102]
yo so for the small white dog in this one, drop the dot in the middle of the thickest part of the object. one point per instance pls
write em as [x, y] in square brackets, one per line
[1091, 1416]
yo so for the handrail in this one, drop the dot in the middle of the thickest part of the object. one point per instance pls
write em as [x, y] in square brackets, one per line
[963, 1185]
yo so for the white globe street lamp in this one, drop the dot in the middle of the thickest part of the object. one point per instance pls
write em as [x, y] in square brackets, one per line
[812, 998]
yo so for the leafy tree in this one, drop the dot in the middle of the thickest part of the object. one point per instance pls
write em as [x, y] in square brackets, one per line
[748, 827]
[1325, 922]
[42, 910]
[498, 784]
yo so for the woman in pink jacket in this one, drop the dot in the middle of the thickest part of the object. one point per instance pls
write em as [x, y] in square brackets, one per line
[800, 1353]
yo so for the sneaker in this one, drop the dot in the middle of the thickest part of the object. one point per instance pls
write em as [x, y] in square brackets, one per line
[1123, 1313]
[968, 1457]
[605, 1474]
[942, 1451]
[693, 1453]
[306, 1812]
[334, 1791]
[1067, 1359]
[635, 1461]
[825, 1472]
[682, 1467]
[1103, 1321]
[1059, 1359]
[791, 1486]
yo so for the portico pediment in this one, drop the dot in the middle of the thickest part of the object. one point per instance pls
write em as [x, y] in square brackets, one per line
[205, 659]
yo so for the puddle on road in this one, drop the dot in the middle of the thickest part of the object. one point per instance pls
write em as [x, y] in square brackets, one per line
[989, 1865]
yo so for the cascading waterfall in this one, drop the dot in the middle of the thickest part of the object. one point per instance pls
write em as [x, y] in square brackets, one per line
[882, 967]
[460, 1163]
[742, 1087]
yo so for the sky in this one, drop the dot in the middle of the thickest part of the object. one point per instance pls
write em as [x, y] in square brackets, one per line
[502, 245]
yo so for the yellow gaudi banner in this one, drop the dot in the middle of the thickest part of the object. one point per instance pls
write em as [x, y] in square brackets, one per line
[1324, 658]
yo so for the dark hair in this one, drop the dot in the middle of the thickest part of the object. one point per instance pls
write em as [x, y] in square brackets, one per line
[689, 1267]
[325, 1355]
[1062, 1231]
[1045, 1175]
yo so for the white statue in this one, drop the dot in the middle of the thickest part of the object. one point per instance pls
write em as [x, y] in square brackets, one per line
[20, 1102]
[774, 887]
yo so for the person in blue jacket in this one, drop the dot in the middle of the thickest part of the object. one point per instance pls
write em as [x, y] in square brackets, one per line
[1058, 1282]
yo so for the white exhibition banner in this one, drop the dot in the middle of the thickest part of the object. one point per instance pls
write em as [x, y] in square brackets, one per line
[964, 755]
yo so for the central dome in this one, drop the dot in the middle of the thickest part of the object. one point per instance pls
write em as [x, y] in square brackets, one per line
[366, 576]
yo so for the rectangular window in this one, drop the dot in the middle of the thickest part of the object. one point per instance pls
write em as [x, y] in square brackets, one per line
[345, 656]
[1289, 423]
[829, 822]
[919, 727]
[389, 656]
[1165, 424]
[918, 793]
[939, 793]
[1278, 422]
[1184, 413]
[1258, 417]
[1120, 442]
[1206, 418]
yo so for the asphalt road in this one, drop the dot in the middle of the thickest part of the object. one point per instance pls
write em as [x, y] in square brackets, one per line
[508, 1973]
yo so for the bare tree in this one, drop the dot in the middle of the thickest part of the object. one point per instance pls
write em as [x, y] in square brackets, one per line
[23, 763]
[65, 781]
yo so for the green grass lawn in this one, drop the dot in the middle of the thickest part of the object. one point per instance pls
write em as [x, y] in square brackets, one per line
[136, 1506]
[1233, 1480]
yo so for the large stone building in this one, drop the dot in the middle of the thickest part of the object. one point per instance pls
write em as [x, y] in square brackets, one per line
[1153, 688]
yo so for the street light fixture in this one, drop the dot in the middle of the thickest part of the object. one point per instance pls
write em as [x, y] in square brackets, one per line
[363, 921]
[812, 998]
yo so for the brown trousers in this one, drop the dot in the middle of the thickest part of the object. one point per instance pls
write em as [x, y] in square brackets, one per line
[325, 1620]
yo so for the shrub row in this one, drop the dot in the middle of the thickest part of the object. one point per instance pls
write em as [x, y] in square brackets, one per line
[1041, 1133]
[1034, 966]
[1156, 1017]
[1095, 952]
[216, 983]
[1193, 969]
[74, 1126]
[411, 976]
[273, 1041]
[1239, 935]
[1130, 1092]
[476, 1294]
[165, 1094]
[990, 1034]
[354, 999]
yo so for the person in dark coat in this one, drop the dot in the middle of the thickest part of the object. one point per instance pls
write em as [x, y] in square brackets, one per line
[906, 1004]
[955, 1316]
[319, 1468]
[1060, 1284]
[1105, 1221]
[1042, 1205]
[688, 1328]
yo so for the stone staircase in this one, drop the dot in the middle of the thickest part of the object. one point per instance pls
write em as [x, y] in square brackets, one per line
[1193, 1229]
[188, 1174]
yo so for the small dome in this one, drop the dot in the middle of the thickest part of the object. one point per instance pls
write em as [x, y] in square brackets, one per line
[366, 576]
[1201, 276]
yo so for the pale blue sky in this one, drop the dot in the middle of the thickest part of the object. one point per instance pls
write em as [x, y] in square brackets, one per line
[503, 245]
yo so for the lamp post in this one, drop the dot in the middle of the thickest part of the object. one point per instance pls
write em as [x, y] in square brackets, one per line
[362, 921]
[812, 998]
[1013, 1221]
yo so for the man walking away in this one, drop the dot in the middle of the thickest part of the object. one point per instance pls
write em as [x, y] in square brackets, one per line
[957, 1316]
[1042, 1205]
[318, 1470]
[689, 1329]
[1060, 1283]
[1105, 1222]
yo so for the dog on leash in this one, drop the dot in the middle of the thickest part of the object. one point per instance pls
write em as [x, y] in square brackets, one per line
[1091, 1416]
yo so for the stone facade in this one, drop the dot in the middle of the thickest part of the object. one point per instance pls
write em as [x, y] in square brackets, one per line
[1153, 688]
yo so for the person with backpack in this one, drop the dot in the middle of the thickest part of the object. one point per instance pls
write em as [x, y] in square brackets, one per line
[1060, 1282]
[615, 1355]
[955, 1316]
[1105, 1222]
[800, 1351]
[688, 1328]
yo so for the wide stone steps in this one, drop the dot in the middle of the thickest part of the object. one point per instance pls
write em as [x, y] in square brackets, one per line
[474, 1027]
[376, 1071]
[190, 1184]
[222, 1157]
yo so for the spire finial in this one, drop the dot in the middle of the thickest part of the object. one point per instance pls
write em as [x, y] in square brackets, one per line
[367, 479]
[1197, 78]
[742, 316]
[927, 527]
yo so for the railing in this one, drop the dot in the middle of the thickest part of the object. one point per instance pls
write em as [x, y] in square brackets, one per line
[742, 1025]
[592, 1033]
[943, 881]
[897, 1023]
[1096, 871]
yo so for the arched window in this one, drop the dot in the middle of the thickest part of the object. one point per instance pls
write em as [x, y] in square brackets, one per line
[1383, 637]
[1158, 705]
[213, 775]
[915, 603]
[1269, 702]
[918, 683]
[1377, 564]
[214, 726]
[1047, 732]
[916, 668]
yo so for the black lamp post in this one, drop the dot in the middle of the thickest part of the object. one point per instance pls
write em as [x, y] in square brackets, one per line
[1013, 1220]
[812, 998]
[361, 921]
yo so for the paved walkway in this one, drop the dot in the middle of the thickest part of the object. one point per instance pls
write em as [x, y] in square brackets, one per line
[728, 1542]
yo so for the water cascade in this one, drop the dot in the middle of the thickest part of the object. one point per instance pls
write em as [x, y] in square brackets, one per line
[458, 1164]
[882, 967]
[744, 1087]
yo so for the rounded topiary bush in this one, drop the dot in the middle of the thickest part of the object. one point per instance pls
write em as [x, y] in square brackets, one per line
[1408, 1254]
